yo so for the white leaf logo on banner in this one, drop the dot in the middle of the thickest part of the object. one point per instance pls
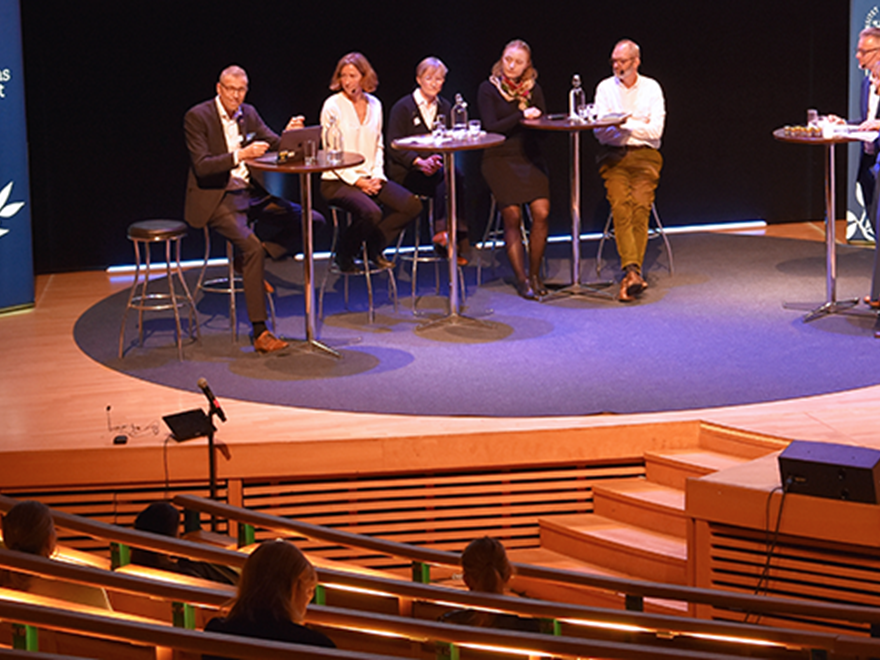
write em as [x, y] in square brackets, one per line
[8, 210]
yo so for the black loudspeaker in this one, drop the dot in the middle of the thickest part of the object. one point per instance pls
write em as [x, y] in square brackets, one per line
[838, 472]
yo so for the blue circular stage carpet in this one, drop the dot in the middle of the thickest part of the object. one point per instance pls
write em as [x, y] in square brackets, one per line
[713, 334]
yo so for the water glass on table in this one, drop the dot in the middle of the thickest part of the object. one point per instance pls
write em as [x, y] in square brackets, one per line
[310, 153]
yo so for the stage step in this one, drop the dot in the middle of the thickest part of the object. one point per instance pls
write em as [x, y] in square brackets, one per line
[672, 467]
[642, 503]
[569, 593]
[640, 553]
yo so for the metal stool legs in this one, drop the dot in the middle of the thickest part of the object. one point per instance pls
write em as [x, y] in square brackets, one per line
[495, 231]
[144, 234]
[230, 284]
[367, 272]
[660, 231]
[431, 258]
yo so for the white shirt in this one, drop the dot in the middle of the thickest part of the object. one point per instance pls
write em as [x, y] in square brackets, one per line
[643, 101]
[427, 109]
[364, 139]
[239, 177]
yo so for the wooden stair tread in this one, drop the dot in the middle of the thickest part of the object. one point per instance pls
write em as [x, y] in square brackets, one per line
[552, 559]
[702, 460]
[644, 491]
[613, 533]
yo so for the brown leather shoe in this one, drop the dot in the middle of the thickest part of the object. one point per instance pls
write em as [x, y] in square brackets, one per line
[269, 343]
[873, 304]
[631, 286]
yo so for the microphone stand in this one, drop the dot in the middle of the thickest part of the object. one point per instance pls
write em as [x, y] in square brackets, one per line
[212, 462]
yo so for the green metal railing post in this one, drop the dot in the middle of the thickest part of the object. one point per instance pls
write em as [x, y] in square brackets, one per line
[421, 572]
[183, 615]
[120, 555]
[25, 638]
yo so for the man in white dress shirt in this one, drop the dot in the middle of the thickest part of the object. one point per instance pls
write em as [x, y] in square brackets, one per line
[630, 161]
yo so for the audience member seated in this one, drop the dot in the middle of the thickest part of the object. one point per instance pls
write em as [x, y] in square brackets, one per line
[163, 518]
[28, 527]
[276, 585]
[487, 570]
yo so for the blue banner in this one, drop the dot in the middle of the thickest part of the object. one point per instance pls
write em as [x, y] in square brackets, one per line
[862, 14]
[16, 255]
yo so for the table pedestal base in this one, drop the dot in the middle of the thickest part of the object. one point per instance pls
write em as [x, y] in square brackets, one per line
[578, 290]
[486, 330]
[817, 312]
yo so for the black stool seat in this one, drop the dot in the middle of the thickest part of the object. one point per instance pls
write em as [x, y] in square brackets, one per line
[156, 230]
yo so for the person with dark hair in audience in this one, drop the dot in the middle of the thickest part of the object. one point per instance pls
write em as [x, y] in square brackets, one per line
[416, 114]
[28, 527]
[163, 518]
[276, 585]
[380, 208]
[487, 570]
[515, 170]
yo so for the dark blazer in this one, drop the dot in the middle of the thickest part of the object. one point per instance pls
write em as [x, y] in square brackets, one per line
[406, 120]
[210, 161]
[865, 175]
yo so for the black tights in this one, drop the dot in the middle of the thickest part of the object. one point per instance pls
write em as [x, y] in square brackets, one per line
[512, 218]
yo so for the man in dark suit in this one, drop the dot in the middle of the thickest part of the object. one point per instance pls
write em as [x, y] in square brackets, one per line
[867, 53]
[220, 135]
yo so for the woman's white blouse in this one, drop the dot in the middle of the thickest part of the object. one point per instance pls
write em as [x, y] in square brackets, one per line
[364, 139]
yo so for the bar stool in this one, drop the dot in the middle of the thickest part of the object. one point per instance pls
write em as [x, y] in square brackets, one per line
[431, 257]
[608, 234]
[366, 272]
[145, 233]
[495, 232]
[230, 284]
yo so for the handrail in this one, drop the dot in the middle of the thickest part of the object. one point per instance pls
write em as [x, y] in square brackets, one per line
[131, 584]
[217, 597]
[20, 654]
[744, 602]
[138, 539]
[167, 636]
[229, 645]
[406, 589]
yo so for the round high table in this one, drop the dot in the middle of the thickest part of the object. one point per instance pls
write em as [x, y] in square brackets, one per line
[448, 146]
[268, 163]
[574, 127]
[831, 304]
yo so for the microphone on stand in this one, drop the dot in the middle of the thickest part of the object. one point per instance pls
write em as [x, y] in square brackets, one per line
[215, 406]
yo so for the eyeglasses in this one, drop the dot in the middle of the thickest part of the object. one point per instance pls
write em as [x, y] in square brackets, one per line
[235, 90]
[865, 51]
[620, 60]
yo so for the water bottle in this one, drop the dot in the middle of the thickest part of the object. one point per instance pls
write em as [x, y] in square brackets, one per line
[459, 118]
[576, 98]
[333, 142]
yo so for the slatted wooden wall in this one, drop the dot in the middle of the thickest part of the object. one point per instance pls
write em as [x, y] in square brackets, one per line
[801, 568]
[443, 510]
[115, 505]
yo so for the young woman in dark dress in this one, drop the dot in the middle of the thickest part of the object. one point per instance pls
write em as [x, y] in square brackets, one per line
[276, 585]
[515, 169]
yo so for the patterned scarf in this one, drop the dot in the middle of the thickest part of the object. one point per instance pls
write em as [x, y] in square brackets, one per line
[521, 91]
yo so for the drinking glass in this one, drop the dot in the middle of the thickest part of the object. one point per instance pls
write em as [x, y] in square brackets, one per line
[474, 128]
[439, 127]
[310, 153]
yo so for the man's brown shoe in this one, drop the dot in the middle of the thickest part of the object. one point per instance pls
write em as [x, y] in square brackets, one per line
[631, 286]
[269, 343]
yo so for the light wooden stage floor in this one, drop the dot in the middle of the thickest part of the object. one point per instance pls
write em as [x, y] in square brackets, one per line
[55, 398]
